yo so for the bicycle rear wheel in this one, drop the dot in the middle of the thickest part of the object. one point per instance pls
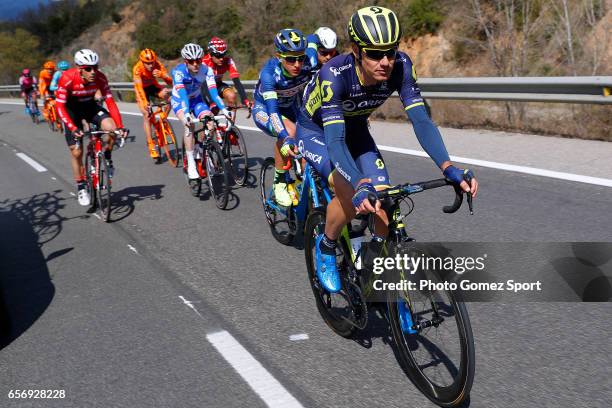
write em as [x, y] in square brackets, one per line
[170, 147]
[432, 331]
[334, 308]
[217, 174]
[280, 219]
[52, 120]
[104, 189]
[237, 155]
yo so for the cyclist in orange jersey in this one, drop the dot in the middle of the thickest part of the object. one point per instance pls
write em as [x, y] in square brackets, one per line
[150, 80]
[44, 80]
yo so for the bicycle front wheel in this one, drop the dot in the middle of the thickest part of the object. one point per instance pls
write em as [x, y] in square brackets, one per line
[217, 174]
[104, 189]
[168, 141]
[432, 331]
[91, 186]
[279, 218]
[237, 155]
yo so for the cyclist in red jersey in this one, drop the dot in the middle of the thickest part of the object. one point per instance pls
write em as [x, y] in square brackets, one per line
[75, 102]
[220, 63]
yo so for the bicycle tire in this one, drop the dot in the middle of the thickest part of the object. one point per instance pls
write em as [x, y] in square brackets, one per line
[315, 224]
[422, 373]
[217, 174]
[237, 156]
[51, 123]
[169, 139]
[91, 188]
[104, 189]
[276, 219]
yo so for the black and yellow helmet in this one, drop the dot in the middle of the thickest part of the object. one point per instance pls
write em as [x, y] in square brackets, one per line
[374, 26]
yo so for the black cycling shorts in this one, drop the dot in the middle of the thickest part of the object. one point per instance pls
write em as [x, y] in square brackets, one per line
[89, 111]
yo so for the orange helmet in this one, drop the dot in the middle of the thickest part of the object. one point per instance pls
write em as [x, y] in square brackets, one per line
[148, 55]
[49, 65]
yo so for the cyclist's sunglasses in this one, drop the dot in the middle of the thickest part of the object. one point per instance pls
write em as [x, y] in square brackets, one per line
[89, 68]
[193, 61]
[292, 59]
[324, 53]
[218, 55]
[377, 55]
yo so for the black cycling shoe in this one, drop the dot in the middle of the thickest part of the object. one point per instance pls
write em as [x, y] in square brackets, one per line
[196, 186]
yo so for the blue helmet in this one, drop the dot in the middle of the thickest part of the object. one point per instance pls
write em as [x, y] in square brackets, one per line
[63, 65]
[290, 40]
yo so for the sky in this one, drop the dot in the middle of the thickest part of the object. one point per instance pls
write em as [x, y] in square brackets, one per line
[10, 8]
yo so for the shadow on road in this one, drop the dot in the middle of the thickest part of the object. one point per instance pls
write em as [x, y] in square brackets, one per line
[123, 200]
[26, 289]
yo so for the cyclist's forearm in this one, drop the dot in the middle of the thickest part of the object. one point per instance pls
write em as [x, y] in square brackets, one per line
[63, 114]
[428, 135]
[276, 118]
[214, 96]
[114, 112]
[240, 89]
[340, 155]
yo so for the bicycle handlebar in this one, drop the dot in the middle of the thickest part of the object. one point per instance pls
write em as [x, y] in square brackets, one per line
[405, 190]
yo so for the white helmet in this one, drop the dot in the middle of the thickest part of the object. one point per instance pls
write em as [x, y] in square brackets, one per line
[86, 57]
[327, 37]
[192, 51]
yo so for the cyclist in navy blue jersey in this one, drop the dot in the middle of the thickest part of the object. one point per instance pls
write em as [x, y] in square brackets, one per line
[332, 128]
[277, 96]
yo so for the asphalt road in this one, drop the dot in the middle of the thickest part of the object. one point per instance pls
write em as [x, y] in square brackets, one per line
[176, 302]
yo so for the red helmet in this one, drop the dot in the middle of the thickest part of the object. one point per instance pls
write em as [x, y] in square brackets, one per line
[217, 46]
[26, 72]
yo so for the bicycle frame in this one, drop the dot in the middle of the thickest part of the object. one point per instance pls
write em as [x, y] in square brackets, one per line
[301, 209]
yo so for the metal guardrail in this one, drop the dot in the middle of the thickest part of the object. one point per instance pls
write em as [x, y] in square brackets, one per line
[588, 90]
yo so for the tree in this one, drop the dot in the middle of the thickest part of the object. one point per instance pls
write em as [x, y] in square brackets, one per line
[18, 50]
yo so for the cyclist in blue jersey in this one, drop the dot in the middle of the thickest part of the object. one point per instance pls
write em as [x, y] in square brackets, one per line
[321, 46]
[333, 135]
[61, 67]
[187, 101]
[277, 96]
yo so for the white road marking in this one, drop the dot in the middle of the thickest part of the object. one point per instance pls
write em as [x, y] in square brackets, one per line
[72, 194]
[37, 166]
[484, 163]
[298, 337]
[510, 167]
[190, 305]
[97, 216]
[53, 178]
[134, 250]
[259, 379]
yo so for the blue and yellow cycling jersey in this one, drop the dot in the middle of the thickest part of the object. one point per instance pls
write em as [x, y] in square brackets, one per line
[337, 95]
[336, 106]
[187, 86]
[279, 92]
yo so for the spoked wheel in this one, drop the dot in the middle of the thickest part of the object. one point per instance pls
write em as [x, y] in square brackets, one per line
[280, 219]
[170, 147]
[217, 174]
[335, 308]
[434, 338]
[237, 155]
[52, 121]
[104, 189]
[91, 187]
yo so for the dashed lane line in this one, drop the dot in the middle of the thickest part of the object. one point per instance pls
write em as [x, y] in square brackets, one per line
[36, 165]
